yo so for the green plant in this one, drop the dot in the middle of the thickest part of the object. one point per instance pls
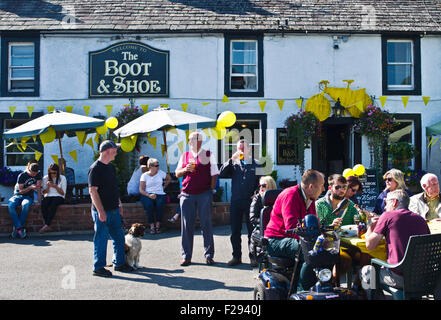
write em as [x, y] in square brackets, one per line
[402, 151]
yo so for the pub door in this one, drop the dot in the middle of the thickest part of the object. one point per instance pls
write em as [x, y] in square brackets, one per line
[338, 147]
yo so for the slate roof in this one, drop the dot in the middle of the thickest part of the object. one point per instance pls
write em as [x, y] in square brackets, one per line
[152, 16]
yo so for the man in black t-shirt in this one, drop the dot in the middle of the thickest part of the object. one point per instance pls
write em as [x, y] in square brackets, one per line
[106, 211]
[28, 182]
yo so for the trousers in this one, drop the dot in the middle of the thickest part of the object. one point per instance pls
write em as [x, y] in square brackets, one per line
[239, 209]
[26, 203]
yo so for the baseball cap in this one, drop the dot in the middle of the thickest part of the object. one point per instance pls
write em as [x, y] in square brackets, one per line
[107, 144]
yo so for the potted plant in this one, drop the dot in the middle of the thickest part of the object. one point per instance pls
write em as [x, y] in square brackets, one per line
[402, 153]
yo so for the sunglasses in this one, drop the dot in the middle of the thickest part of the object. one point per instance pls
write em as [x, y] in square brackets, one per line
[340, 187]
[388, 179]
[263, 185]
[155, 165]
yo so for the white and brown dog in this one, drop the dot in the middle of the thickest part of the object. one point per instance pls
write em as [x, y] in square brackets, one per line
[133, 244]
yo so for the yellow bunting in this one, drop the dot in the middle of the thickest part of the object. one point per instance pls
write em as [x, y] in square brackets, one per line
[163, 148]
[109, 109]
[38, 155]
[127, 144]
[55, 158]
[30, 110]
[184, 106]
[405, 100]
[97, 138]
[426, 100]
[205, 103]
[34, 137]
[262, 105]
[145, 107]
[73, 154]
[243, 102]
[226, 119]
[23, 143]
[280, 104]
[173, 131]
[299, 102]
[48, 136]
[111, 123]
[19, 148]
[86, 109]
[383, 100]
[12, 111]
[69, 109]
[432, 142]
[50, 108]
[101, 130]
[152, 141]
[225, 99]
[90, 142]
[81, 136]
[164, 105]
[181, 146]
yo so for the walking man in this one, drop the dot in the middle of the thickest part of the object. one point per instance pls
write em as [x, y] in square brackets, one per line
[199, 171]
[241, 168]
[106, 211]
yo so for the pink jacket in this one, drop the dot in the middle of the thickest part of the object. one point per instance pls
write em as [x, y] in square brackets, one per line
[287, 210]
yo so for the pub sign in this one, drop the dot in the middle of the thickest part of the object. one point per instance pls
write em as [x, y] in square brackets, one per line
[129, 69]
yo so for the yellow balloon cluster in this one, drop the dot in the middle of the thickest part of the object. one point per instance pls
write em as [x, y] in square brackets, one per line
[111, 123]
[128, 143]
[226, 119]
[358, 170]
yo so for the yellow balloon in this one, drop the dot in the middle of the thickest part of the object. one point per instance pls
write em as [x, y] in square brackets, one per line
[348, 172]
[48, 136]
[218, 132]
[226, 119]
[111, 123]
[359, 169]
[101, 130]
[127, 144]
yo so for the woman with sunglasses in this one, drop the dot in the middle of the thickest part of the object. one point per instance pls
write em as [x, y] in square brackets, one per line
[394, 180]
[151, 187]
[265, 183]
[54, 190]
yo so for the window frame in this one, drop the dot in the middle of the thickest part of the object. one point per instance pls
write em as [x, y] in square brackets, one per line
[259, 92]
[416, 65]
[6, 41]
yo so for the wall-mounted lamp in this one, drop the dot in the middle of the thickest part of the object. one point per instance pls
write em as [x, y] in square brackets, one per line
[338, 110]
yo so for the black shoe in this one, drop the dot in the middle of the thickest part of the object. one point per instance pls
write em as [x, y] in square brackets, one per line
[234, 262]
[124, 268]
[253, 262]
[102, 273]
[185, 263]
[209, 261]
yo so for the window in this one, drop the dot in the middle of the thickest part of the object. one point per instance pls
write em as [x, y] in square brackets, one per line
[20, 66]
[401, 66]
[244, 66]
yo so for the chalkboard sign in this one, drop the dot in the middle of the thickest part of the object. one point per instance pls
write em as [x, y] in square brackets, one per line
[286, 148]
[370, 189]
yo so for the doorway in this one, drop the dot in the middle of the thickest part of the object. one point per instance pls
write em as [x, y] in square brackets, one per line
[337, 148]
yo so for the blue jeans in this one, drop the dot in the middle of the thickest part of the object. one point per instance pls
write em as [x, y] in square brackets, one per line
[149, 207]
[111, 227]
[26, 203]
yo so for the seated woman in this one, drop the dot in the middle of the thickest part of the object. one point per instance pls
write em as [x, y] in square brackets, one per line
[153, 197]
[133, 184]
[54, 190]
[354, 187]
[394, 180]
[265, 183]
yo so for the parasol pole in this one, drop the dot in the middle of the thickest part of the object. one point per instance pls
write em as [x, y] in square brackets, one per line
[61, 162]
[165, 150]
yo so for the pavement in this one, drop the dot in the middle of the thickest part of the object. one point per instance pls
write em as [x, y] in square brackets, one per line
[59, 267]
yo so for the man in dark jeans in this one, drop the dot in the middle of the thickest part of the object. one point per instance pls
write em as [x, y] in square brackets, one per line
[106, 211]
[241, 168]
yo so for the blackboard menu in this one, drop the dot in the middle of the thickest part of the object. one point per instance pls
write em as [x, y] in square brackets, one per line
[370, 189]
[286, 148]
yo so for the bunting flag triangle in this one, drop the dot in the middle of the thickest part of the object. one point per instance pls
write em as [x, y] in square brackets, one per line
[184, 106]
[262, 105]
[145, 107]
[69, 109]
[55, 158]
[173, 131]
[30, 110]
[50, 108]
[163, 147]
[81, 136]
[426, 100]
[109, 109]
[225, 99]
[19, 147]
[243, 102]
[37, 155]
[86, 109]
[205, 103]
[152, 141]
[24, 145]
[97, 138]
[73, 154]
[12, 110]
[181, 146]
[90, 142]
[405, 100]
[280, 104]
[34, 138]
[299, 102]
[164, 105]
[383, 100]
